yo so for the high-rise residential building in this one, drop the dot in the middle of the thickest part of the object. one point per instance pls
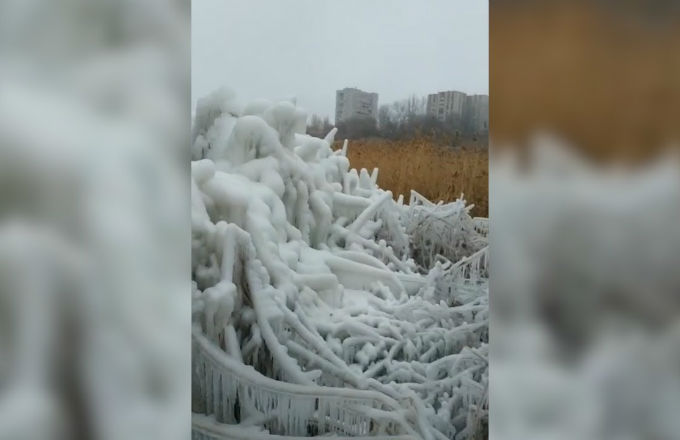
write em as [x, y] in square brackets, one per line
[354, 103]
[444, 105]
[476, 115]
[471, 111]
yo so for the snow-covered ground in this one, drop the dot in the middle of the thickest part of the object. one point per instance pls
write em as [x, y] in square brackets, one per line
[320, 304]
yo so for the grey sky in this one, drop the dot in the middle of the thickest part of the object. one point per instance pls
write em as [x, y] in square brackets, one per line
[275, 49]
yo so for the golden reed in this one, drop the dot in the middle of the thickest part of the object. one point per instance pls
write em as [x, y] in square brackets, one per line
[437, 172]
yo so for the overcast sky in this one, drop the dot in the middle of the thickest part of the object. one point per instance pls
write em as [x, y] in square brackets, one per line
[276, 49]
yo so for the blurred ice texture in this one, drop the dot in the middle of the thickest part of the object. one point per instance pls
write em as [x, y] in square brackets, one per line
[94, 219]
[585, 283]
[585, 299]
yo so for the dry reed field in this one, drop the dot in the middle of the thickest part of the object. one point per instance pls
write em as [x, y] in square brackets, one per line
[437, 172]
[602, 75]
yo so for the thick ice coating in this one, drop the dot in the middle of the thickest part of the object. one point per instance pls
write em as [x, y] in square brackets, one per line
[320, 304]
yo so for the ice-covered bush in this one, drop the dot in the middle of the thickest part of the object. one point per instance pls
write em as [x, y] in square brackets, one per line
[320, 303]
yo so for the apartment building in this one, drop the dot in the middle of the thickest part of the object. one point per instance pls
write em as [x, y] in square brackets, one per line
[444, 105]
[476, 114]
[471, 110]
[352, 103]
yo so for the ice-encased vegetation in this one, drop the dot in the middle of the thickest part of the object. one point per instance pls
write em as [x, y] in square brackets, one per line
[320, 304]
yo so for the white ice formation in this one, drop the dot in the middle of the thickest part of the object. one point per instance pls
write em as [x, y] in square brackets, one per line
[322, 306]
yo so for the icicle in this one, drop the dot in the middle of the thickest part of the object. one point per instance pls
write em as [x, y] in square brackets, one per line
[330, 137]
[374, 176]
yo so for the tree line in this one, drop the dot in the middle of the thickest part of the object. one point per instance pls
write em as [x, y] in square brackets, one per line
[405, 119]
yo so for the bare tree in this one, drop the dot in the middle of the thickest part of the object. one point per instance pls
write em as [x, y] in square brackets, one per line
[317, 126]
[357, 127]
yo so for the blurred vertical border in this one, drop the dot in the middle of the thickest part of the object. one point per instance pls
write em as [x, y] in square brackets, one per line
[585, 219]
[94, 223]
